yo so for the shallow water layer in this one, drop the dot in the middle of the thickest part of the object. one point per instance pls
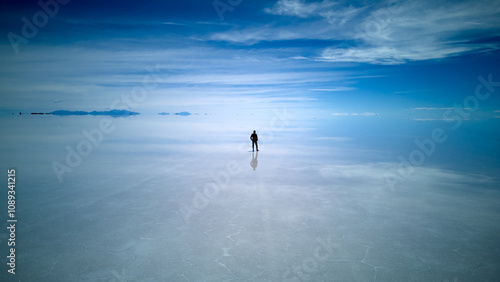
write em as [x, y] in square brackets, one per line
[174, 198]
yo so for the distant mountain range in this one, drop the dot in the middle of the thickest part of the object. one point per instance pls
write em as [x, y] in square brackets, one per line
[94, 113]
[113, 113]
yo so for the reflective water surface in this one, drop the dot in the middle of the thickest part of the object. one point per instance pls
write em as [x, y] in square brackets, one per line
[184, 198]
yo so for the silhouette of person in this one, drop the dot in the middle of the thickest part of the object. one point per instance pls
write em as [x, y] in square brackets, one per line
[254, 139]
[254, 161]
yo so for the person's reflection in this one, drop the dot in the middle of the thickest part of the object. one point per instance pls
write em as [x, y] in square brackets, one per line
[254, 161]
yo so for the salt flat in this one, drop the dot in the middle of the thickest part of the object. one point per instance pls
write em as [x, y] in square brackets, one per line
[167, 198]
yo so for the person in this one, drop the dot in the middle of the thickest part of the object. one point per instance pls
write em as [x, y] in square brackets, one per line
[254, 139]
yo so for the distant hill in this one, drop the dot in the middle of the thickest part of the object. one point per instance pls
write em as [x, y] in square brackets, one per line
[177, 114]
[183, 114]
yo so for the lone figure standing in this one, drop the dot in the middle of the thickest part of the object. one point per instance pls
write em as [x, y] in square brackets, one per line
[254, 139]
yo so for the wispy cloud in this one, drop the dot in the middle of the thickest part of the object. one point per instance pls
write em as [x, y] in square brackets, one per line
[328, 21]
[387, 55]
[188, 75]
[280, 52]
[337, 89]
[434, 119]
[332, 11]
[383, 34]
[250, 78]
[172, 23]
[395, 36]
[300, 8]
[269, 32]
[367, 114]
[431, 109]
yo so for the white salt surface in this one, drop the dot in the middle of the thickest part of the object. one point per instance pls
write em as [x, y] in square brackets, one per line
[173, 198]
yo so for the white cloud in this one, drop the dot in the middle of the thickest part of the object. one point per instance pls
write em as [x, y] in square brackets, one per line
[330, 20]
[384, 34]
[248, 78]
[420, 30]
[367, 114]
[332, 11]
[299, 8]
[251, 35]
[429, 108]
[172, 23]
[387, 55]
[188, 77]
[433, 119]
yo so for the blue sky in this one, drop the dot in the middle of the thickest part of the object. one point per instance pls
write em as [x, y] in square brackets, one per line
[326, 58]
